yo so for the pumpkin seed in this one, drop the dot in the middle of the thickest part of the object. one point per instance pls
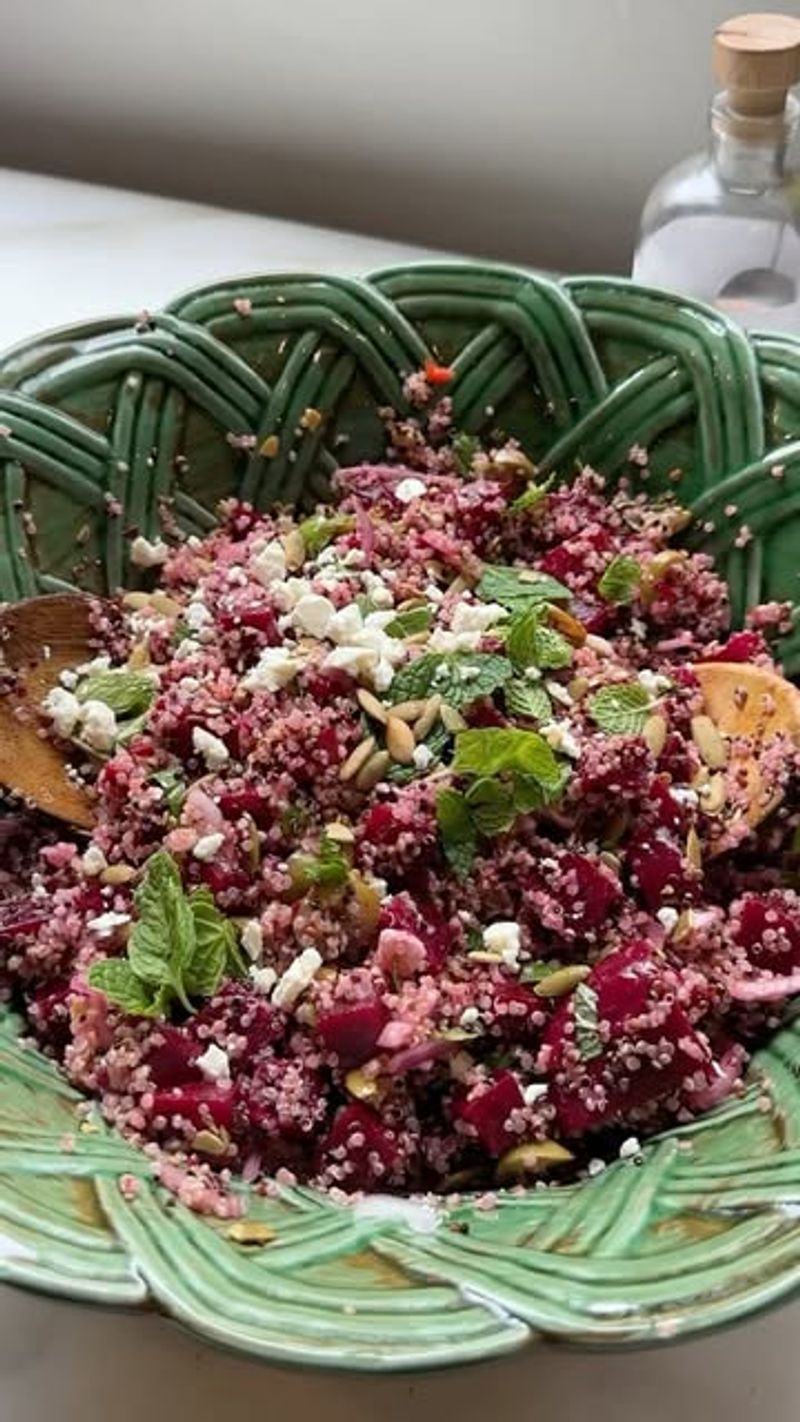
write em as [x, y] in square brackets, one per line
[451, 719]
[400, 741]
[357, 758]
[654, 734]
[531, 1159]
[294, 550]
[164, 605]
[311, 418]
[210, 1143]
[426, 722]
[408, 710]
[713, 795]
[578, 687]
[371, 705]
[139, 656]
[374, 770]
[251, 1232]
[567, 625]
[562, 981]
[694, 849]
[136, 601]
[339, 832]
[515, 460]
[656, 570]
[361, 1085]
[709, 742]
[683, 927]
[118, 874]
[270, 446]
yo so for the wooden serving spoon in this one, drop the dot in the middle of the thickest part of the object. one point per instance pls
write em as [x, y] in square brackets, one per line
[39, 639]
[744, 700]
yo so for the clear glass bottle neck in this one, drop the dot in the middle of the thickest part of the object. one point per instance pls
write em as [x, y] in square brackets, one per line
[749, 153]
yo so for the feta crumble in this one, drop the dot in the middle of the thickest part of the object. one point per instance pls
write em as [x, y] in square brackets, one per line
[253, 939]
[409, 489]
[213, 751]
[208, 846]
[145, 554]
[214, 1063]
[503, 938]
[297, 977]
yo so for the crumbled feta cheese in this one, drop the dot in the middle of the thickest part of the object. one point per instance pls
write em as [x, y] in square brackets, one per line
[299, 974]
[559, 693]
[383, 674]
[196, 616]
[596, 1166]
[214, 1063]
[268, 565]
[639, 628]
[443, 640]
[98, 725]
[186, 649]
[97, 664]
[105, 923]
[353, 558]
[346, 624]
[64, 710]
[287, 595]
[432, 593]
[560, 737]
[253, 939]
[682, 795]
[423, 757]
[409, 489]
[145, 554]
[630, 1148]
[503, 938]
[477, 616]
[263, 979]
[214, 751]
[189, 683]
[653, 682]
[275, 668]
[313, 614]
[469, 1018]
[69, 679]
[534, 1092]
[208, 846]
[93, 862]
[668, 917]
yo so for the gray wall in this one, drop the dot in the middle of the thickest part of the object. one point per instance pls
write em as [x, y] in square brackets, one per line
[525, 129]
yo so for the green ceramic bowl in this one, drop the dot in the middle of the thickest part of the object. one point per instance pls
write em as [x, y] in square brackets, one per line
[707, 1228]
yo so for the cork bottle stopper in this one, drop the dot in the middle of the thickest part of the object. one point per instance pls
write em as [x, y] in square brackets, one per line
[757, 58]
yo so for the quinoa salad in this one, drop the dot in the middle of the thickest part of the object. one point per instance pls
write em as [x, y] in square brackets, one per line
[419, 862]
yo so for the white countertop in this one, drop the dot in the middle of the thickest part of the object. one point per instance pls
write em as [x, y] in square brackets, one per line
[70, 251]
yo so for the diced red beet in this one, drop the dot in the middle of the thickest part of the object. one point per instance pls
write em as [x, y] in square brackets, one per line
[658, 870]
[352, 1030]
[568, 559]
[173, 1062]
[625, 983]
[769, 931]
[237, 1009]
[263, 620]
[22, 915]
[328, 745]
[663, 809]
[484, 713]
[422, 919]
[595, 616]
[293, 1114]
[380, 824]
[327, 684]
[249, 801]
[370, 1149]
[597, 890]
[740, 647]
[198, 1102]
[49, 1013]
[489, 1111]
[225, 879]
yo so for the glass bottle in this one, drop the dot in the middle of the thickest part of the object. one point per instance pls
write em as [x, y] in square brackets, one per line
[724, 226]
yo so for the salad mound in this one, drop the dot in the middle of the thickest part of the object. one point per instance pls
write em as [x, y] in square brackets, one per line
[423, 859]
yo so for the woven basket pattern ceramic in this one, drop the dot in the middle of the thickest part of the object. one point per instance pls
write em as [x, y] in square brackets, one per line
[172, 413]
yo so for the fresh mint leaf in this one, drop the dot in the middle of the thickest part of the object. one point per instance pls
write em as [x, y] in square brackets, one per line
[115, 978]
[621, 708]
[492, 750]
[529, 699]
[162, 943]
[529, 794]
[319, 530]
[460, 677]
[413, 620]
[530, 642]
[587, 1035]
[215, 945]
[534, 496]
[174, 790]
[465, 447]
[620, 581]
[536, 972]
[328, 869]
[128, 693]
[519, 587]
[491, 806]
[456, 830]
